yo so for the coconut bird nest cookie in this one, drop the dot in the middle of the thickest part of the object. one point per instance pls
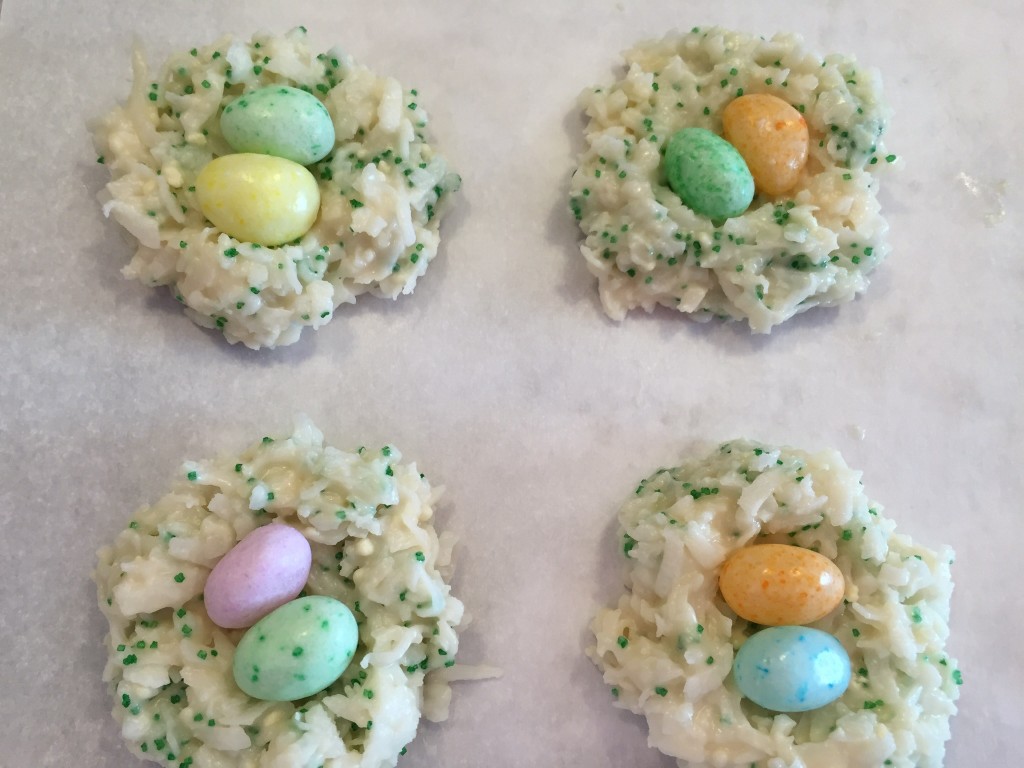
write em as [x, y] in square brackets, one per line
[197, 681]
[779, 216]
[266, 186]
[841, 658]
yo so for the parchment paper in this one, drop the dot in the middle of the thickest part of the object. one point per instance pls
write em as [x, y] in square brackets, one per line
[500, 375]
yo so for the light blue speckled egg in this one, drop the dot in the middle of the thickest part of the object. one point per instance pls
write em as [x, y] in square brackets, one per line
[297, 650]
[279, 121]
[791, 669]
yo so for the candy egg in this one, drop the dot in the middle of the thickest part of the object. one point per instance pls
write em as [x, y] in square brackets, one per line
[708, 174]
[279, 121]
[791, 669]
[296, 651]
[772, 137]
[264, 570]
[258, 198]
[775, 584]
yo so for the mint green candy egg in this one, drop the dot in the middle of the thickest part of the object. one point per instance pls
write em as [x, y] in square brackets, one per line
[296, 650]
[279, 121]
[708, 173]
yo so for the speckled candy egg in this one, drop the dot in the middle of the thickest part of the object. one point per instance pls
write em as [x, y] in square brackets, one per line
[258, 198]
[774, 584]
[708, 174]
[296, 651]
[791, 669]
[279, 121]
[264, 570]
[772, 137]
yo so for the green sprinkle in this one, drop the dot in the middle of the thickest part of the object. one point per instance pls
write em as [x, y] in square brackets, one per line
[152, 96]
[957, 677]
[179, 577]
[205, 83]
[367, 693]
[661, 691]
[709, 660]
[420, 557]
[186, 630]
[890, 158]
[355, 203]
[202, 655]
[623, 641]
[297, 651]
[192, 476]
[231, 253]
[847, 535]
[855, 632]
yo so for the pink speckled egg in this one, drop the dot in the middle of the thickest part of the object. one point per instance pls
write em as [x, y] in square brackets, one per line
[263, 571]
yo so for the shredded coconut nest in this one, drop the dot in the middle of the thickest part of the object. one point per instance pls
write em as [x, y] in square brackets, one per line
[368, 518]
[383, 189]
[813, 246]
[667, 647]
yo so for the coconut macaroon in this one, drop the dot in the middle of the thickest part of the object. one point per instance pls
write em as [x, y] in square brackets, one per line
[667, 648]
[368, 518]
[815, 243]
[382, 188]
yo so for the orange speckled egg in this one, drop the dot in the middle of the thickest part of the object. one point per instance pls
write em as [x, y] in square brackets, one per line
[777, 584]
[771, 136]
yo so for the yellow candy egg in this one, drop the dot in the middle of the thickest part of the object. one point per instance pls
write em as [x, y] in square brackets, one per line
[772, 138]
[258, 198]
[778, 585]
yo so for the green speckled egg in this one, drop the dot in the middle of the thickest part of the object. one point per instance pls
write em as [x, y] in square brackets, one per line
[708, 173]
[296, 650]
[279, 121]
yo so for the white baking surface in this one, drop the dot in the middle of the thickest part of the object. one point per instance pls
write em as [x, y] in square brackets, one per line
[501, 376]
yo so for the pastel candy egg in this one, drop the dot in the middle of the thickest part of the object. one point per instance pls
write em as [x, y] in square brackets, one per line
[279, 121]
[772, 137]
[264, 570]
[708, 174]
[296, 651]
[791, 669]
[774, 584]
[258, 198]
